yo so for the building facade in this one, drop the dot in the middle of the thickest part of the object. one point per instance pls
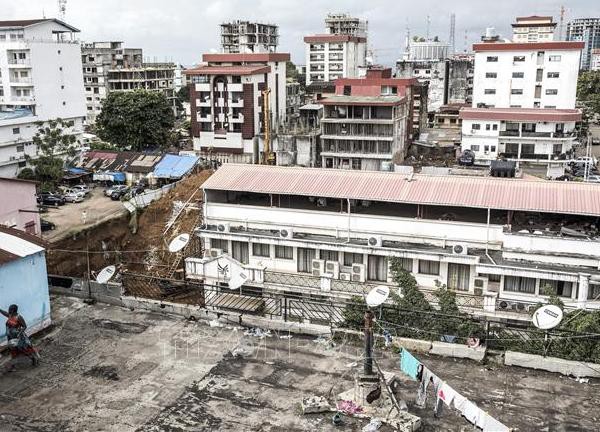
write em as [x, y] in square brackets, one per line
[367, 124]
[331, 233]
[343, 24]
[227, 103]
[595, 62]
[19, 208]
[586, 30]
[329, 57]
[249, 37]
[40, 79]
[533, 29]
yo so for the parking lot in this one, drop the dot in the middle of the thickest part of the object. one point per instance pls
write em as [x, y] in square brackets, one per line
[74, 217]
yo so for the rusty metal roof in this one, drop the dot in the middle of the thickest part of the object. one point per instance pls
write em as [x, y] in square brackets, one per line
[457, 191]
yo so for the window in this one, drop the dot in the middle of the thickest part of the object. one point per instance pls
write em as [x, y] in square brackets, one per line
[553, 75]
[20, 148]
[305, 257]
[557, 149]
[486, 148]
[554, 58]
[352, 258]
[16, 131]
[475, 147]
[236, 79]
[519, 284]
[328, 255]
[459, 276]
[240, 251]
[261, 249]
[406, 264]
[284, 252]
[493, 148]
[518, 75]
[495, 127]
[347, 91]
[516, 91]
[490, 91]
[219, 244]
[491, 75]
[488, 126]
[518, 59]
[551, 92]
[429, 267]
[593, 292]
[377, 268]
[492, 59]
[476, 126]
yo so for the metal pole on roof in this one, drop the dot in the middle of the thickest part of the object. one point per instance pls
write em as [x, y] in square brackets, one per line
[487, 231]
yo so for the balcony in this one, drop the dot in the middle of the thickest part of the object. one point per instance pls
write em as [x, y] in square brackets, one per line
[25, 99]
[537, 134]
[19, 62]
[22, 81]
[509, 133]
[204, 118]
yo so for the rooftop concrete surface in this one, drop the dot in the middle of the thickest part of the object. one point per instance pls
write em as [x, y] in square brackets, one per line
[106, 368]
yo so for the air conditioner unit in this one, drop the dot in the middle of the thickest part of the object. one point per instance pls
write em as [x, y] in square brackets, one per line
[481, 284]
[345, 276]
[286, 233]
[318, 267]
[359, 273]
[214, 253]
[223, 227]
[375, 241]
[460, 249]
[514, 306]
[332, 268]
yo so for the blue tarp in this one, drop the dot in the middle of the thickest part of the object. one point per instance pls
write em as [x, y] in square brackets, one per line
[77, 171]
[174, 166]
[117, 177]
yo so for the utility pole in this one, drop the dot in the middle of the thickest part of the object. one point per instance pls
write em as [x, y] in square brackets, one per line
[368, 364]
[561, 26]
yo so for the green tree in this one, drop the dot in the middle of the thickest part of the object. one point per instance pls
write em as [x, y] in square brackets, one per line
[26, 174]
[291, 71]
[54, 141]
[588, 90]
[136, 120]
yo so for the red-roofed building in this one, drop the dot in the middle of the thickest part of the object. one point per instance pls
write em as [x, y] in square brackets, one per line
[227, 109]
[368, 123]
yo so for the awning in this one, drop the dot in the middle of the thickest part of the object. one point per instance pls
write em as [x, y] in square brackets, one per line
[109, 176]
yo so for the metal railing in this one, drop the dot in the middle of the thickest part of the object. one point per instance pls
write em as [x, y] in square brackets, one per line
[293, 279]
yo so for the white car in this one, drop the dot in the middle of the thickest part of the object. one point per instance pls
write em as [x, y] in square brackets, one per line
[82, 188]
[108, 192]
[593, 179]
[587, 160]
[74, 197]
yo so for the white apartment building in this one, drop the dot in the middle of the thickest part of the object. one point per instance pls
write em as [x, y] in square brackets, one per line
[325, 233]
[595, 61]
[586, 30]
[227, 106]
[533, 29]
[244, 37]
[329, 57]
[40, 79]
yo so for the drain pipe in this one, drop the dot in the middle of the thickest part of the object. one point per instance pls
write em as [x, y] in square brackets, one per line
[487, 237]
[348, 202]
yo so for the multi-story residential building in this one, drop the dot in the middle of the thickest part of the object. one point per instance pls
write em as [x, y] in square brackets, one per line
[227, 105]
[294, 98]
[420, 49]
[595, 61]
[501, 244]
[40, 79]
[343, 24]
[109, 66]
[249, 37]
[586, 30]
[367, 124]
[19, 208]
[533, 29]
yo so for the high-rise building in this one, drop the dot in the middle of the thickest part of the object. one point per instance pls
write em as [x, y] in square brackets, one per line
[595, 61]
[533, 29]
[586, 30]
[109, 66]
[342, 24]
[40, 80]
[249, 37]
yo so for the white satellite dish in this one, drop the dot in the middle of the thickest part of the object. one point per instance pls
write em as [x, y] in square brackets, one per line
[179, 243]
[106, 274]
[238, 278]
[378, 295]
[547, 317]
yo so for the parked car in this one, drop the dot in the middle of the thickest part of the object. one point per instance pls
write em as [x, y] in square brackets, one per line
[587, 159]
[47, 225]
[74, 197]
[593, 178]
[136, 190]
[108, 192]
[467, 158]
[82, 188]
[119, 193]
[51, 199]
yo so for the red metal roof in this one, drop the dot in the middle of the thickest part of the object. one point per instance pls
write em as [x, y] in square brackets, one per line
[522, 114]
[457, 191]
[333, 38]
[229, 70]
[245, 58]
[527, 46]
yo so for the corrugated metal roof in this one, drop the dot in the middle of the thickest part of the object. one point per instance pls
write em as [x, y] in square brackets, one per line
[523, 114]
[174, 166]
[457, 191]
[15, 244]
[229, 70]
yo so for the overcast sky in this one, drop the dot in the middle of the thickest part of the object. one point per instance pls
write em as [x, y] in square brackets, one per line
[181, 30]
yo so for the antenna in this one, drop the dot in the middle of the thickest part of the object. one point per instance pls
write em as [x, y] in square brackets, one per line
[62, 9]
[452, 33]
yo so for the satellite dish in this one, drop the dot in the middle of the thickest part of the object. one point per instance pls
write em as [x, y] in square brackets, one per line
[378, 295]
[106, 274]
[547, 317]
[179, 242]
[238, 278]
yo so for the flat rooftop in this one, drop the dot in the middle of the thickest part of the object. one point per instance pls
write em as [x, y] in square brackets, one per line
[521, 114]
[108, 368]
[455, 191]
[362, 100]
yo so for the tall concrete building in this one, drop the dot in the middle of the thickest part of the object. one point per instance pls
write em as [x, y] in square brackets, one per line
[586, 30]
[339, 53]
[533, 29]
[249, 37]
[109, 66]
[40, 80]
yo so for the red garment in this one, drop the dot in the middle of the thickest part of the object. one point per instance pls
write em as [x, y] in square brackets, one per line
[16, 322]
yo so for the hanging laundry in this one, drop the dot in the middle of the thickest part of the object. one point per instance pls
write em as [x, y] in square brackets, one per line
[490, 424]
[408, 364]
[460, 402]
[426, 378]
[471, 412]
[447, 394]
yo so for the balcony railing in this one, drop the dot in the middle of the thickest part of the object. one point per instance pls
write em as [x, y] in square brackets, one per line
[21, 80]
[25, 62]
[22, 98]
[537, 134]
[510, 133]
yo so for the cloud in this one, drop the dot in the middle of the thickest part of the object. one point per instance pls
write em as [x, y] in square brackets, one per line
[181, 30]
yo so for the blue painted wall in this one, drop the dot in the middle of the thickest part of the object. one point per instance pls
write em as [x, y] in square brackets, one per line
[25, 282]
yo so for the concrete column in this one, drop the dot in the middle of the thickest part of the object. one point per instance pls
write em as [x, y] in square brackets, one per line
[583, 288]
